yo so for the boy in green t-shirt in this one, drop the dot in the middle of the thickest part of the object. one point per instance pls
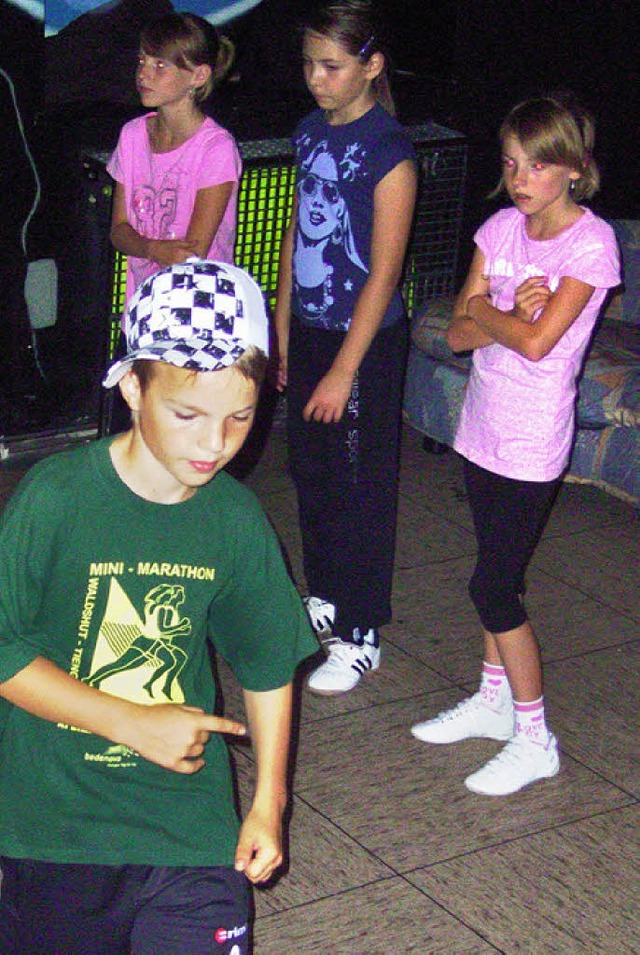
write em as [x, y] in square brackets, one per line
[121, 564]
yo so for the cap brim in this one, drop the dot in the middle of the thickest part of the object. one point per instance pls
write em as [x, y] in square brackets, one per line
[196, 355]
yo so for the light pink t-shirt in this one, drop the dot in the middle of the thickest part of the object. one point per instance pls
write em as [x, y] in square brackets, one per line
[160, 188]
[518, 415]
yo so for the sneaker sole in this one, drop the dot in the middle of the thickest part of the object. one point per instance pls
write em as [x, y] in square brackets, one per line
[512, 792]
[348, 689]
[331, 692]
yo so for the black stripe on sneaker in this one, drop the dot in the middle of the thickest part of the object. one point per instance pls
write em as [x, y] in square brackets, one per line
[361, 666]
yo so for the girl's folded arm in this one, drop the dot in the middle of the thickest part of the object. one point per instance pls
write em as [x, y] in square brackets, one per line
[533, 339]
[463, 333]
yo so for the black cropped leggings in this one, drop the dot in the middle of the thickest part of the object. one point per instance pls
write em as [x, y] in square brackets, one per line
[509, 517]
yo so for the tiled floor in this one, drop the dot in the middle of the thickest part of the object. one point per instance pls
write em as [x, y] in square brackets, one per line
[387, 851]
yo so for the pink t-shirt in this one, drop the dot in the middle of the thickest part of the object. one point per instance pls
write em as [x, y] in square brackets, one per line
[160, 188]
[518, 415]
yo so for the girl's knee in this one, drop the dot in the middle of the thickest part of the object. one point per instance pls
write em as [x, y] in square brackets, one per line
[497, 602]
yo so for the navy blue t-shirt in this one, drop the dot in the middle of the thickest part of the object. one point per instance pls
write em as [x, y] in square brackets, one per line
[338, 169]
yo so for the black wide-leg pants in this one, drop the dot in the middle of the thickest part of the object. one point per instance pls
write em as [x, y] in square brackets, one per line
[346, 474]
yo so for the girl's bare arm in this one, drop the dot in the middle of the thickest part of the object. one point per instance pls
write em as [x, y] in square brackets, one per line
[208, 211]
[282, 314]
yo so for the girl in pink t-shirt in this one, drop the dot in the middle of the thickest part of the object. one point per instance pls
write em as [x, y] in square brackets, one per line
[176, 169]
[540, 272]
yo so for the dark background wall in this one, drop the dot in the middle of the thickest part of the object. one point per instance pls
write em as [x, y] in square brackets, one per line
[462, 63]
[505, 51]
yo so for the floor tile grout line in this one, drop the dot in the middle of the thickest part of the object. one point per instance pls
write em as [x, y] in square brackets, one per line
[585, 593]
[317, 721]
[331, 822]
[470, 928]
[365, 885]
[469, 853]
[438, 562]
[582, 654]
[335, 895]
[600, 775]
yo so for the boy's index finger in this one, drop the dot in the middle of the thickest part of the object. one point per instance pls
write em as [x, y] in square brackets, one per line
[221, 724]
[216, 724]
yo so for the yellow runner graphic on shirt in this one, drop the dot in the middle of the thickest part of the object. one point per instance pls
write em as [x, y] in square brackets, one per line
[138, 659]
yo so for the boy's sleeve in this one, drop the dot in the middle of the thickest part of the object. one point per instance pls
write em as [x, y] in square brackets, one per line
[259, 624]
[25, 538]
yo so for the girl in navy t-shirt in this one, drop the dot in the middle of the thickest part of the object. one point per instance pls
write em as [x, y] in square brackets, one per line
[342, 334]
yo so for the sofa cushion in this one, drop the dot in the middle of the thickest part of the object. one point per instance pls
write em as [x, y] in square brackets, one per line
[433, 395]
[609, 390]
[609, 458]
[619, 336]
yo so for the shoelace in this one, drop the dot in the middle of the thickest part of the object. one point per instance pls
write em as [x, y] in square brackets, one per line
[342, 652]
[446, 715]
[510, 754]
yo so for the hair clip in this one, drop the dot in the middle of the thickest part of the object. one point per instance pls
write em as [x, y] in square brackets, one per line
[366, 48]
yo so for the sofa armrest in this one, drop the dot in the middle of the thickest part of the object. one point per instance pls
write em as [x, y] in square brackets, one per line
[429, 332]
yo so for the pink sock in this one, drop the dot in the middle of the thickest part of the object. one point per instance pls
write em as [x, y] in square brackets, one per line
[530, 721]
[494, 687]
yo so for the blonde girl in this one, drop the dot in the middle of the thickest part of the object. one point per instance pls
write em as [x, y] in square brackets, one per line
[540, 272]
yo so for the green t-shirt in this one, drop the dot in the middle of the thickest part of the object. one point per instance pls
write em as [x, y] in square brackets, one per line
[131, 596]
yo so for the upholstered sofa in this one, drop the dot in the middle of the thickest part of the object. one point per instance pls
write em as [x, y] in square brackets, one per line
[607, 445]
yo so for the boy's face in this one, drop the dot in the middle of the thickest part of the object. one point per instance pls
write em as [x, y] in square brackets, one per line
[186, 426]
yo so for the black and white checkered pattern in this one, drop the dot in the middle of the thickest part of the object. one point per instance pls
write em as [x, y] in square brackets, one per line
[198, 315]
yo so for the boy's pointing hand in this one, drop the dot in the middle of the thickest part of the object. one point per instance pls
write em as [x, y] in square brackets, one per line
[174, 736]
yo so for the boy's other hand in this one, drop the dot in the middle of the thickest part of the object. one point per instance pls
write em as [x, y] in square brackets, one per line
[174, 736]
[259, 850]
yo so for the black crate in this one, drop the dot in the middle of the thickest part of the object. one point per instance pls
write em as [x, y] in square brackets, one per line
[432, 257]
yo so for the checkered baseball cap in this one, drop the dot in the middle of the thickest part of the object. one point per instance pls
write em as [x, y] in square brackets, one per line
[198, 315]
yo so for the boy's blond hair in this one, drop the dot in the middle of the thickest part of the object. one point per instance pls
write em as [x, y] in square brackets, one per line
[252, 365]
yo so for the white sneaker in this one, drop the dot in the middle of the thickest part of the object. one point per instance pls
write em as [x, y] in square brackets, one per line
[322, 614]
[346, 663]
[470, 719]
[520, 762]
